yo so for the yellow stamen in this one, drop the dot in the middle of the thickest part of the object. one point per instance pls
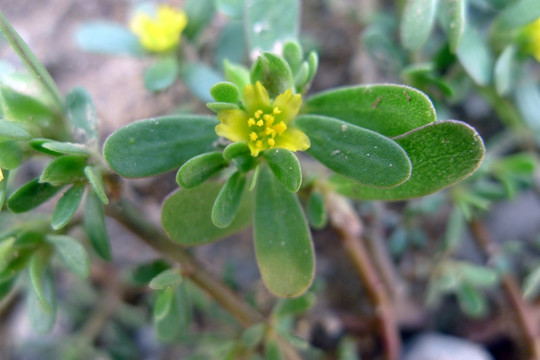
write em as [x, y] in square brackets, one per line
[271, 142]
[253, 136]
[258, 113]
[260, 123]
[270, 131]
[251, 122]
[280, 128]
[258, 144]
[269, 119]
[276, 111]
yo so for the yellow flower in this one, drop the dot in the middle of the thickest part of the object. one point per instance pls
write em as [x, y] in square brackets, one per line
[264, 124]
[1, 175]
[160, 33]
[532, 39]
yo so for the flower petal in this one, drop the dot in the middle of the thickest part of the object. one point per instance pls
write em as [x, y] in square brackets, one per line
[233, 125]
[256, 98]
[289, 105]
[293, 139]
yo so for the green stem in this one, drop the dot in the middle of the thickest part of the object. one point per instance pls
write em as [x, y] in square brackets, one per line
[30, 61]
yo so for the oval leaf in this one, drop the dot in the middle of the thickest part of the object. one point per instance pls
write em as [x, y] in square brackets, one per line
[475, 57]
[186, 207]
[65, 148]
[153, 146]
[38, 262]
[72, 254]
[360, 154]
[273, 72]
[316, 211]
[166, 279]
[96, 182]
[82, 115]
[390, 110]
[286, 168]
[94, 223]
[283, 243]
[161, 75]
[453, 18]
[199, 78]
[416, 22]
[108, 38]
[64, 170]
[226, 92]
[442, 153]
[13, 130]
[199, 169]
[163, 303]
[228, 200]
[66, 206]
[43, 321]
[11, 155]
[31, 195]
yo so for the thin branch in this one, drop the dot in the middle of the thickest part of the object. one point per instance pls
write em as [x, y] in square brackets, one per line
[527, 322]
[347, 223]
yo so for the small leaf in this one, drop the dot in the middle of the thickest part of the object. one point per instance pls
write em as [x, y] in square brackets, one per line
[11, 155]
[416, 22]
[228, 200]
[478, 276]
[453, 18]
[199, 78]
[144, 273]
[360, 154]
[199, 13]
[13, 130]
[199, 169]
[475, 57]
[237, 74]
[286, 168]
[82, 115]
[108, 38]
[316, 211]
[240, 155]
[161, 74]
[273, 72]
[253, 335]
[43, 321]
[453, 148]
[186, 207]
[272, 350]
[38, 263]
[154, 146]
[64, 170]
[3, 188]
[94, 223]
[388, 109]
[31, 195]
[96, 181]
[231, 44]
[283, 243]
[517, 14]
[505, 70]
[531, 285]
[72, 254]
[167, 279]
[471, 301]
[454, 229]
[37, 144]
[286, 307]
[254, 178]
[163, 303]
[65, 148]
[67, 206]
[176, 320]
[218, 106]
[225, 92]
[270, 22]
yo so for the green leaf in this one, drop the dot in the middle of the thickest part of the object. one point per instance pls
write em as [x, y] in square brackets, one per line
[517, 14]
[475, 57]
[72, 254]
[176, 320]
[5, 287]
[531, 285]
[505, 70]
[360, 154]
[37, 144]
[82, 115]
[64, 170]
[31, 195]
[231, 44]
[254, 177]
[11, 155]
[108, 38]
[442, 154]
[293, 54]
[94, 223]
[30, 60]
[199, 78]
[316, 211]
[154, 146]
[283, 243]
[471, 301]
[67, 206]
[286, 307]
[416, 22]
[218, 106]
[199, 13]
[237, 74]
[454, 229]
[228, 200]
[186, 207]
[272, 350]
[286, 168]
[390, 110]
[240, 155]
[163, 303]
[3, 188]
[43, 321]
[96, 182]
[144, 273]
[65, 148]
[253, 335]
[13, 131]
[161, 74]
[453, 19]
[167, 279]
[478, 276]
[38, 263]
[231, 8]
[199, 169]
[273, 72]
[269, 22]
[226, 92]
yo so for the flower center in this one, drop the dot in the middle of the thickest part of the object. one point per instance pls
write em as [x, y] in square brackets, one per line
[263, 129]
